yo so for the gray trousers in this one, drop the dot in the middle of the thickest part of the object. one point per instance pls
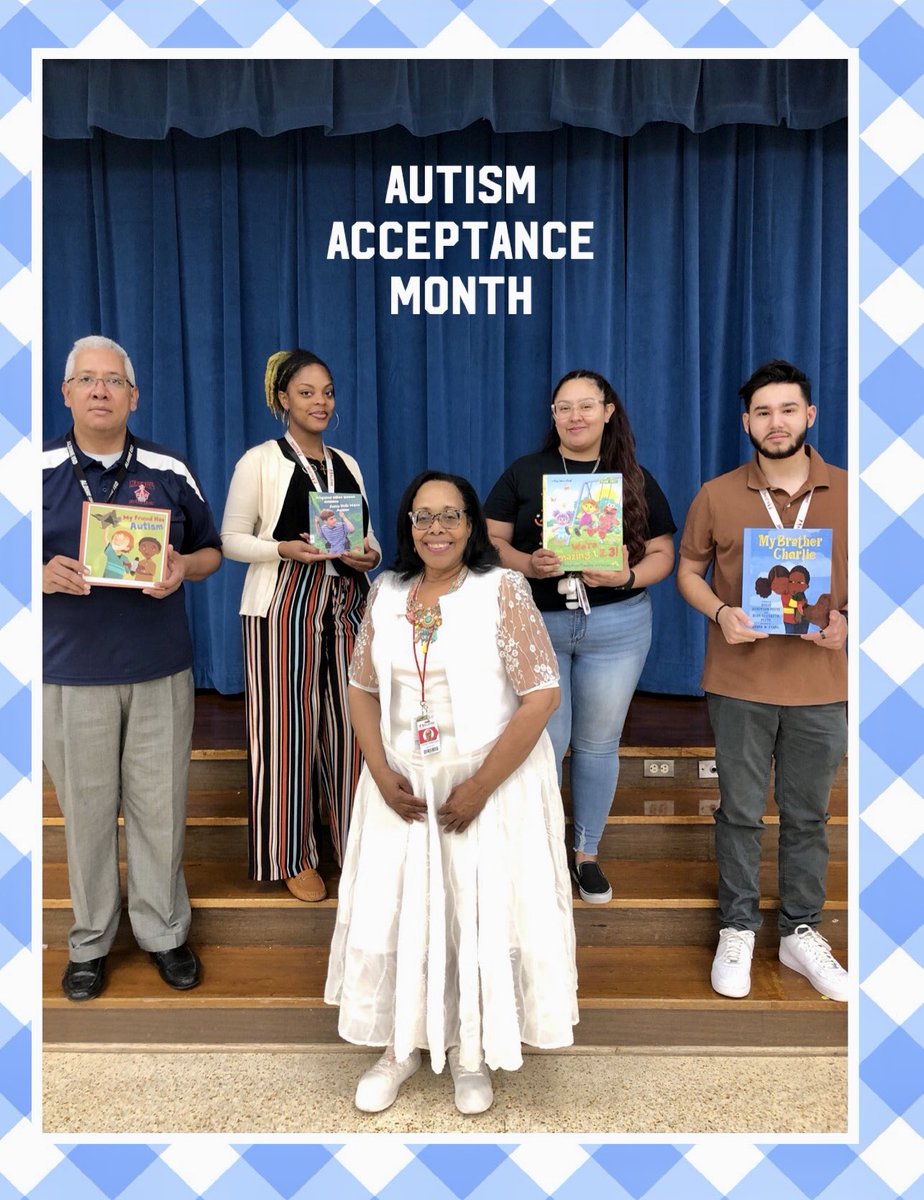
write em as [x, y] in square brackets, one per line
[806, 743]
[123, 746]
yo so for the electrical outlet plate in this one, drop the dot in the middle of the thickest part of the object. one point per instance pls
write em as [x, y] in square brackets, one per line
[707, 769]
[658, 768]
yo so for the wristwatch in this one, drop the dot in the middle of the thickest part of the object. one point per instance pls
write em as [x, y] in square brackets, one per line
[628, 585]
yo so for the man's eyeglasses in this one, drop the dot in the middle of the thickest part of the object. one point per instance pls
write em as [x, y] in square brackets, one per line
[115, 383]
[449, 518]
[565, 408]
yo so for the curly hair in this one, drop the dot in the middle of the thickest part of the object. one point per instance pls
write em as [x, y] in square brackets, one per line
[763, 585]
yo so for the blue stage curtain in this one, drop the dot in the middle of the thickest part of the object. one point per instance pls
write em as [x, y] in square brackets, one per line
[712, 252]
[149, 98]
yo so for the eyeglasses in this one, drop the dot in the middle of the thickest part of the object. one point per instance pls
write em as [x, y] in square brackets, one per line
[565, 408]
[449, 518]
[114, 383]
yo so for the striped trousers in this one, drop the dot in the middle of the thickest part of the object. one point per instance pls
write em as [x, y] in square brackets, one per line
[303, 760]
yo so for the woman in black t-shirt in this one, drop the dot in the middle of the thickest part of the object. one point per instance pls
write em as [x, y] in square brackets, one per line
[600, 620]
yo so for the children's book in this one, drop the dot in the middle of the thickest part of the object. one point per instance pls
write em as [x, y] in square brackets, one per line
[124, 545]
[786, 579]
[582, 520]
[336, 522]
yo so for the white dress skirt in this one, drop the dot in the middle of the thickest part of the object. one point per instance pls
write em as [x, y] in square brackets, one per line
[455, 939]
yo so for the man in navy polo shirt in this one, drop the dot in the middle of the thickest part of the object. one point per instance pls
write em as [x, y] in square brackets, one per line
[118, 688]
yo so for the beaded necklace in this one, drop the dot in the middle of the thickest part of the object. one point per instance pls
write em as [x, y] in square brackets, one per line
[427, 619]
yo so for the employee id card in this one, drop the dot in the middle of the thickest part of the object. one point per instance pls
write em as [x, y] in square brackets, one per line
[428, 736]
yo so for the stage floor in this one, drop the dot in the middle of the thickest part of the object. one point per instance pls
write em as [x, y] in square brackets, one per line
[653, 720]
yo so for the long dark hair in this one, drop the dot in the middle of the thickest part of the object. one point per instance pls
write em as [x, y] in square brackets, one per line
[617, 453]
[480, 553]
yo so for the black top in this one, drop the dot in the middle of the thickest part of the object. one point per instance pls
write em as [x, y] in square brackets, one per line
[516, 499]
[294, 514]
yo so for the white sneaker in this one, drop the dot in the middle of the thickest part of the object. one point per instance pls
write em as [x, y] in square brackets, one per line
[731, 967]
[807, 952]
[378, 1088]
[474, 1093]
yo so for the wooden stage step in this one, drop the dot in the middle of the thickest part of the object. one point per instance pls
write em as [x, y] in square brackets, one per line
[632, 996]
[644, 957]
[662, 902]
[648, 800]
[635, 837]
[227, 770]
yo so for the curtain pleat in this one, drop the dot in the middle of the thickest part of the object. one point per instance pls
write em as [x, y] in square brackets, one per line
[712, 252]
[207, 97]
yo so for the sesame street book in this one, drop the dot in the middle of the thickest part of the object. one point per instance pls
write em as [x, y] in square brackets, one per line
[336, 522]
[124, 545]
[582, 520]
[786, 579]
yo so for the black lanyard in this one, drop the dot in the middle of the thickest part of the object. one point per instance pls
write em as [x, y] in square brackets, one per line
[127, 456]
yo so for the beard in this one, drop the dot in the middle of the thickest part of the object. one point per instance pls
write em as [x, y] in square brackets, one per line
[782, 451]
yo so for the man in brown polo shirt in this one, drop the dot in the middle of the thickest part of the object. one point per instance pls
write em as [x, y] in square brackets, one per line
[771, 698]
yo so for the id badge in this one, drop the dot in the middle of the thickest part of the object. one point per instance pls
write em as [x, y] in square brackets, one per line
[428, 736]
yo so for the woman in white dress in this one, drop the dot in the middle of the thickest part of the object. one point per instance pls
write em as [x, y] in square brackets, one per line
[454, 925]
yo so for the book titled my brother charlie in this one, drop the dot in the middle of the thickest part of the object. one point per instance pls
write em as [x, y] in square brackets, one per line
[582, 520]
[786, 579]
[124, 545]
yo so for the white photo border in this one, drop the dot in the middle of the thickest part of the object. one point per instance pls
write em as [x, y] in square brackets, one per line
[883, 1154]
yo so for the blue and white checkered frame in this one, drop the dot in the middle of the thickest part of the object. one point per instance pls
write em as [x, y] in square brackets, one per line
[887, 1156]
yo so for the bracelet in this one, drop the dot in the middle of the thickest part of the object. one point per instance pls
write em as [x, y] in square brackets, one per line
[628, 585]
[717, 611]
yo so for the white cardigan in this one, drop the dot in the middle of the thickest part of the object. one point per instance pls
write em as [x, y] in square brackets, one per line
[255, 498]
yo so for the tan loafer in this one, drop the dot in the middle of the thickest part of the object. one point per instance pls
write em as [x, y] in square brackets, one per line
[307, 886]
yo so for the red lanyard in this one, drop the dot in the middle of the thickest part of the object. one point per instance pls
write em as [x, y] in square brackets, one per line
[421, 674]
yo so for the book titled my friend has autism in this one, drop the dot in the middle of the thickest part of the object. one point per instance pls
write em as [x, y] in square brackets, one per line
[582, 520]
[786, 579]
[124, 545]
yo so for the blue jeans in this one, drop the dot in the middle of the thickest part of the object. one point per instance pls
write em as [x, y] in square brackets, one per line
[600, 659]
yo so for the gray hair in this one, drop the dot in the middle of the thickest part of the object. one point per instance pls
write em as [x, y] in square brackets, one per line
[97, 342]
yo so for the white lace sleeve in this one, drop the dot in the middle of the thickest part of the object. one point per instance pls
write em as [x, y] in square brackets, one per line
[362, 670]
[522, 638]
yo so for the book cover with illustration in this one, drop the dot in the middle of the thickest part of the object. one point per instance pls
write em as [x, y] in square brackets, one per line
[124, 545]
[786, 579]
[336, 522]
[582, 520]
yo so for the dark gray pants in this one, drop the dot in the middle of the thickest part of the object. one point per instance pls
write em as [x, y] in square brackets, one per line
[807, 743]
[123, 747]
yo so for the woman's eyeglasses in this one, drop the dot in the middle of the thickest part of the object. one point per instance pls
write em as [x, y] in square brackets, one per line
[449, 518]
[565, 408]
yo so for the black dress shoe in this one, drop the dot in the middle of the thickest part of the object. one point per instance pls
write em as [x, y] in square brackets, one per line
[84, 980]
[180, 968]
